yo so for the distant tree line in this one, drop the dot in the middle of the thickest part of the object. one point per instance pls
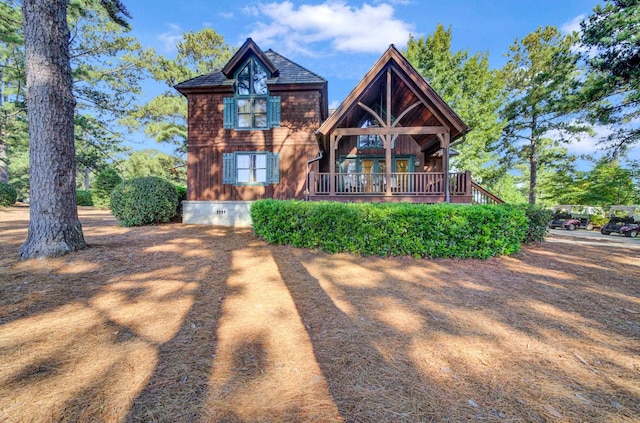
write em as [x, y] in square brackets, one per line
[554, 89]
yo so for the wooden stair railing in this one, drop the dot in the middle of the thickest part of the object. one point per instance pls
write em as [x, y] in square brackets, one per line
[482, 196]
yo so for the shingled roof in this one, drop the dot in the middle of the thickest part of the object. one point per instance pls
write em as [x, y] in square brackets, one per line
[286, 72]
[292, 73]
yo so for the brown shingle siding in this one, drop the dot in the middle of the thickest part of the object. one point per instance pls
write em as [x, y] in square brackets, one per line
[294, 140]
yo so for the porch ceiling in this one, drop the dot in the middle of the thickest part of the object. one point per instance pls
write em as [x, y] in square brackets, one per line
[402, 98]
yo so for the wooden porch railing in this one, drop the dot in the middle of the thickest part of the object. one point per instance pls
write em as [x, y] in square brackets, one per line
[415, 183]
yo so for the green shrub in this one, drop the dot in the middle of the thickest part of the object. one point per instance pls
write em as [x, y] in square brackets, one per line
[100, 199]
[8, 195]
[420, 230]
[599, 220]
[537, 222]
[107, 180]
[104, 184]
[144, 201]
[84, 198]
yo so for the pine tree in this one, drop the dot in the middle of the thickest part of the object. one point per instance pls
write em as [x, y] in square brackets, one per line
[54, 226]
[541, 75]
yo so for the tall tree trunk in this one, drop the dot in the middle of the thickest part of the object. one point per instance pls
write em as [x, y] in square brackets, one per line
[533, 162]
[4, 136]
[54, 227]
[533, 171]
[87, 174]
[4, 173]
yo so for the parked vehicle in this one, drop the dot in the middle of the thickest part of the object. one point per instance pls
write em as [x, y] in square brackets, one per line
[581, 218]
[560, 215]
[623, 220]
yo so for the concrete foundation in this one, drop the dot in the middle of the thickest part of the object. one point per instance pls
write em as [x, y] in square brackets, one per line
[222, 213]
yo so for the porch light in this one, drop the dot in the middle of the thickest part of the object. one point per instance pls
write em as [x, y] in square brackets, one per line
[416, 162]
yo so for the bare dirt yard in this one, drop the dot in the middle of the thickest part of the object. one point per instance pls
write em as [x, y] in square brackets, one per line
[178, 323]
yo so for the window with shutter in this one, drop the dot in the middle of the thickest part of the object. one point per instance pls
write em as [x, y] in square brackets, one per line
[274, 112]
[252, 107]
[273, 167]
[229, 112]
[251, 168]
[228, 168]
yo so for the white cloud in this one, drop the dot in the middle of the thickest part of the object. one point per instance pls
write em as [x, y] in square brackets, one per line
[572, 25]
[366, 29]
[584, 143]
[170, 38]
[251, 11]
[226, 15]
[588, 144]
[334, 104]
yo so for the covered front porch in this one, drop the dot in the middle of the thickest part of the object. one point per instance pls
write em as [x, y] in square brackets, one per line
[390, 141]
[413, 187]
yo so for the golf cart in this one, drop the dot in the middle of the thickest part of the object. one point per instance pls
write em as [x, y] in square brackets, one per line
[581, 218]
[623, 220]
[560, 215]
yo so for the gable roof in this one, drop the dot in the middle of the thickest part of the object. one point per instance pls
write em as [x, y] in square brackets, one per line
[283, 72]
[249, 48]
[412, 98]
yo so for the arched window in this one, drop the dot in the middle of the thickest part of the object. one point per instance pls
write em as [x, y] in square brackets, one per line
[252, 107]
[252, 95]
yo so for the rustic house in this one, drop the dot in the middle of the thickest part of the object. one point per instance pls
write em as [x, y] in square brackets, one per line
[260, 128]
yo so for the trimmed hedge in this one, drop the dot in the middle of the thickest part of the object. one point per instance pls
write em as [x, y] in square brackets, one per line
[144, 201]
[8, 195]
[83, 198]
[538, 222]
[419, 230]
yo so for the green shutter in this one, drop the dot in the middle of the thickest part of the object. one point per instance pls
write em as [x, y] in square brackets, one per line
[273, 168]
[228, 168]
[229, 112]
[274, 112]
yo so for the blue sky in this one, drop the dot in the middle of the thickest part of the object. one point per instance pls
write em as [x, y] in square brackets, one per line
[340, 40]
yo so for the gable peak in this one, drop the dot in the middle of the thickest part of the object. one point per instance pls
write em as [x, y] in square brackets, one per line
[249, 48]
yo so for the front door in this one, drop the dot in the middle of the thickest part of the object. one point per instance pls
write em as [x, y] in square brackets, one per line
[372, 173]
[402, 165]
[374, 177]
[403, 182]
[367, 177]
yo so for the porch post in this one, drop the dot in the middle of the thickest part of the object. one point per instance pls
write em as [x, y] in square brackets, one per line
[447, 187]
[388, 139]
[312, 183]
[332, 164]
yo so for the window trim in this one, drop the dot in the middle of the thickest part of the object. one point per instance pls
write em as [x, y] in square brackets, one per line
[230, 168]
[359, 157]
[252, 63]
[252, 169]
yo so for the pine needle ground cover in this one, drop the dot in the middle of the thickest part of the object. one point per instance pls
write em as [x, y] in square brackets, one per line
[209, 324]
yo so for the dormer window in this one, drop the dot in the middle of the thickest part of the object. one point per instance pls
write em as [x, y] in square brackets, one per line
[251, 96]
[252, 79]
[252, 107]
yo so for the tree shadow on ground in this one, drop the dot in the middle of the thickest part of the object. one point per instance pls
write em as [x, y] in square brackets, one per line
[365, 385]
[126, 327]
[131, 329]
[505, 338]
